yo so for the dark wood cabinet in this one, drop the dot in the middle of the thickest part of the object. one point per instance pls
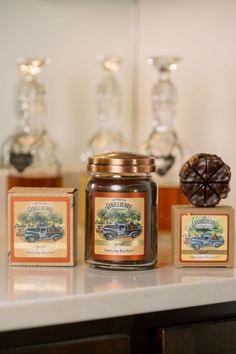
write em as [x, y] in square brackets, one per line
[207, 329]
[201, 338]
[117, 344]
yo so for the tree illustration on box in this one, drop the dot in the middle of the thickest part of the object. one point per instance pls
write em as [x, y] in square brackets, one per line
[194, 230]
[35, 218]
[114, 215]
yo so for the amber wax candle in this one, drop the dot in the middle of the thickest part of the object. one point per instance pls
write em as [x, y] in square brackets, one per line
[121, 227]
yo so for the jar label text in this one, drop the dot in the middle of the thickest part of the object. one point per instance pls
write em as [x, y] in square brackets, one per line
[119, 225]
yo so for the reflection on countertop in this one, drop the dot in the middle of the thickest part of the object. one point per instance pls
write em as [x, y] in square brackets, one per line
[21, 283]
[41, 296]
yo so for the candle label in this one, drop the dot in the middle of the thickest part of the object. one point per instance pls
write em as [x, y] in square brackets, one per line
[119, 225]
[204, 238]
[40, 229]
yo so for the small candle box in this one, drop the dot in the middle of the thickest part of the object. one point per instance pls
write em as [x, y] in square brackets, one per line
[42, 226]
[203, 237]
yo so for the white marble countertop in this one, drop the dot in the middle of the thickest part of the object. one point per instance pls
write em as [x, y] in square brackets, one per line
[32, 297]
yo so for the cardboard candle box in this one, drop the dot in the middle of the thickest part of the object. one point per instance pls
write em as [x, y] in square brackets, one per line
[203, 237]
[42, 226]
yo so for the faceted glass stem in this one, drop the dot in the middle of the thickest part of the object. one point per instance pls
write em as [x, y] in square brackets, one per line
[108, 94]
[164, 94]
[163, 143]
[30, 103]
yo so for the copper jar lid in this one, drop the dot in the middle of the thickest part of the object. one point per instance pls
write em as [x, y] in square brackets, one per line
[121, 162]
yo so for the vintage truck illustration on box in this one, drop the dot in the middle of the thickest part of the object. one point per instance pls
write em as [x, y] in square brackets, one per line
[40, 233]
[111, 231]
[206, 240]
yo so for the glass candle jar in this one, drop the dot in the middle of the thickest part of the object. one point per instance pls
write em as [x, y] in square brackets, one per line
[121, 212]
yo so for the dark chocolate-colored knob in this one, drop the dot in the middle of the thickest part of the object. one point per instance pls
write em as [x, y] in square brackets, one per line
[204, 179]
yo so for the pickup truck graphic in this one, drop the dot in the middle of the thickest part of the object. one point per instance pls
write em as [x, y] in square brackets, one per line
[111, 231]
[33, 234]
[206, 241]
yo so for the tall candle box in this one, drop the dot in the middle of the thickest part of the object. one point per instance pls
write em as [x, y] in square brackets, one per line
[203, 237]
[42, 226]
